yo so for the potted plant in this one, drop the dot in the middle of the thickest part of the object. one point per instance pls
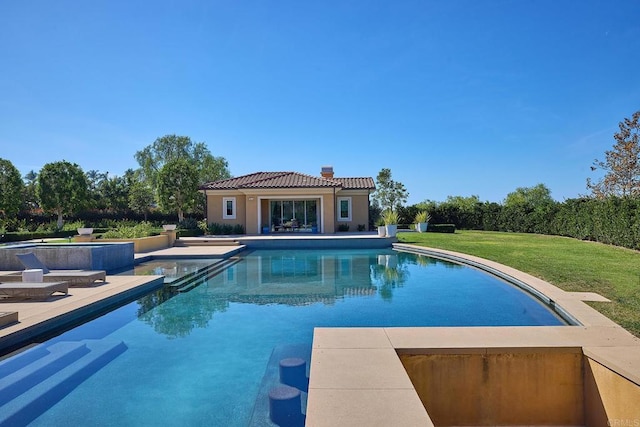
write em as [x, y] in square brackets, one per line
[381, 229]
[422, 221]
[391, 222]
[85, 231]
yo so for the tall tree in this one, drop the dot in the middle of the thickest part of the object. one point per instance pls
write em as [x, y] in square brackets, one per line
[62, 188]
[115, 193]
[172, 147]
[389, 194]
[178, 187]
[528, 210]
[535, 197]
[140, 197]
[95, 180]
[30, 200]
[621, 164]
[11, 189]
[464, 204]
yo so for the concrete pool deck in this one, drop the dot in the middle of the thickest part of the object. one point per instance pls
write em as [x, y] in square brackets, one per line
[388, 376]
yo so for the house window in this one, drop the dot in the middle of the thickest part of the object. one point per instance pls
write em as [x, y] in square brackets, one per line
[228, 208]
[344, 208]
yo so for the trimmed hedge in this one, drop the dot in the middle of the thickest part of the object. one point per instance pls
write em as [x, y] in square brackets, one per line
[23, 236]
[441, 228]
[614, 221]
[189, 232]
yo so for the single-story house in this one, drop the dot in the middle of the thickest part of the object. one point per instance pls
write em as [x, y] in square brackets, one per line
[274, 202]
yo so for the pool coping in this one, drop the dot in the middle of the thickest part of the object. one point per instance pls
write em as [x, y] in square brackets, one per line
[356, 377]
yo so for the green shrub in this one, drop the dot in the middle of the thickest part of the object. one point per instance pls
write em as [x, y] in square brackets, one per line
[123, 231]
[188, 224]
[390, 217]
[189, 232]
[343, 227]
[214, 228]
[422, 216]
[222, 229]
[72, 226]
[361, 227]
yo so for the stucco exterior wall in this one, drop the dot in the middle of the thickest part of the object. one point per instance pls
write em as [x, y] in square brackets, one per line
[610, 399]
[329, 214]
[144, 244]
[359, 210]
[485, 389]
[214, 209]
[250, 208]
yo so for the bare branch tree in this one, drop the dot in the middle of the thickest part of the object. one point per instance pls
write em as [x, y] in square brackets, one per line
[621, 164]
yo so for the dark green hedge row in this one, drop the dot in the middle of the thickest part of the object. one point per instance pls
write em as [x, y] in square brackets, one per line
[96, 219]
[22, 236]
[441, 228]
[192, 232]
[614, 221]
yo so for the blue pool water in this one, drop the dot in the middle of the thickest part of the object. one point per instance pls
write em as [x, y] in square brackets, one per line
[206, 357]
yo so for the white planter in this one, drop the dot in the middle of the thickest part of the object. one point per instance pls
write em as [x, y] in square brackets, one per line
[382, 231]
[391, 230]
[391, 261]
[85, 231]
[169, 227]
[421, 227]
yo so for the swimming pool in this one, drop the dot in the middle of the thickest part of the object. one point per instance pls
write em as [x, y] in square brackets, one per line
[207, 356]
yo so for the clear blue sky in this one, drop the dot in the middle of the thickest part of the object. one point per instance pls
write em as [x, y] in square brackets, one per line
[455, 97]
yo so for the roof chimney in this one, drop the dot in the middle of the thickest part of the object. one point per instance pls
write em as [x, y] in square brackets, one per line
[327, 172]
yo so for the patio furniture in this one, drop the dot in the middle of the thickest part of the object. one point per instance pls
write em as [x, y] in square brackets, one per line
[74, 277]
[33, 275]
[8, 317]
[40, 290]
[291, 225]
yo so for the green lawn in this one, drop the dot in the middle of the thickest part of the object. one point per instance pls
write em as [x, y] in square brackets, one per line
[570, 264]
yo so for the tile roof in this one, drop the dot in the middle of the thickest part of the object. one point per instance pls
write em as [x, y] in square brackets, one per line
[288, 180]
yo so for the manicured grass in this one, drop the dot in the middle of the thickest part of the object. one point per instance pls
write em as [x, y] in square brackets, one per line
[570, 264]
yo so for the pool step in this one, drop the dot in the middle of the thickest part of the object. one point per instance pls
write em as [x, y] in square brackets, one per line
[206, 274]
[35, 371]
[206, 242]
[75, 362]
[12, 364]
[188, 278]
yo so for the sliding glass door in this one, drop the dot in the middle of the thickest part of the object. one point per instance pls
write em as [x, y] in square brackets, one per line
[294, 215]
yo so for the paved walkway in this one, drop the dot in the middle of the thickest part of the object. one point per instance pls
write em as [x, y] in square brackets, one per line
[193, 251]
